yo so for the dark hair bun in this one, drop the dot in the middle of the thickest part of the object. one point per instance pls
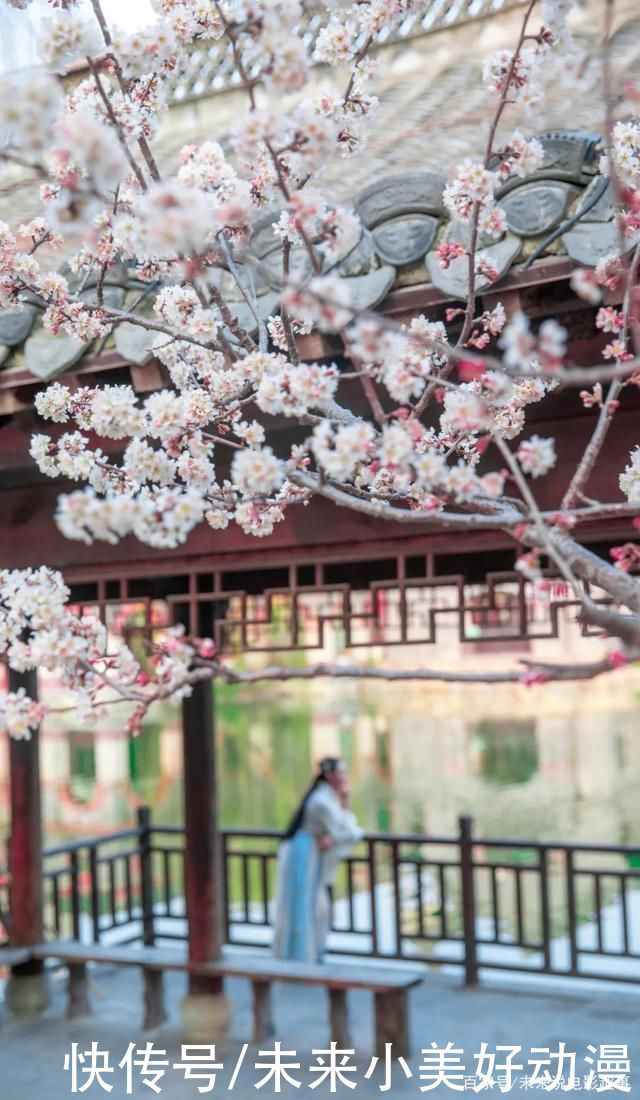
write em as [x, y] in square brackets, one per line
[329, 765]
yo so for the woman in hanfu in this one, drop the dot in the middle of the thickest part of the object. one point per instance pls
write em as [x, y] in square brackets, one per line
[322, 832]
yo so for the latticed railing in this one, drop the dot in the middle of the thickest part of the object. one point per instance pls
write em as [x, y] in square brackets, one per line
[532, 906]
[210, 67]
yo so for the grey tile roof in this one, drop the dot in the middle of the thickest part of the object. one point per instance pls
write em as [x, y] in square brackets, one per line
[433, 112]
[209, 66]
[563, 209]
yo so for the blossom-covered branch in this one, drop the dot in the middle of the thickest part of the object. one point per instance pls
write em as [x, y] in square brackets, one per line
[40, 630]
[444, 439]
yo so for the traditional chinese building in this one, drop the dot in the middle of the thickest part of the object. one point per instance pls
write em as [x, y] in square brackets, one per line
[322, 567]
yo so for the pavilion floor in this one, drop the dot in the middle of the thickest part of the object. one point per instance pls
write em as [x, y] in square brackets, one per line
[504, 1010]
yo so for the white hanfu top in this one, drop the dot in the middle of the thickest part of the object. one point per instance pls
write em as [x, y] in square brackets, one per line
[324, 815]
[303, 909]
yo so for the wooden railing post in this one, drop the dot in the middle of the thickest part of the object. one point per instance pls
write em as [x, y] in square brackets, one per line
[226, 889]
[94, 887]
[146, 875]
[397, 900]
[468, 900]
[572, 913]
[373, 886]
[74, 867]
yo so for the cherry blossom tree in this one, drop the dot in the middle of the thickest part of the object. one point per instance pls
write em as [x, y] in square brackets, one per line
[202, 451]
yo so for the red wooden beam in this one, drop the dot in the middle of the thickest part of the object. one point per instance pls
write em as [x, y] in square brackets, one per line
[25, 850]
[410, 299]
[401, 303]
[13, 378]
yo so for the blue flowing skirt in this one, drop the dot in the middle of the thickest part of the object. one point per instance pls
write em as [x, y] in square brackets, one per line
[302, 904]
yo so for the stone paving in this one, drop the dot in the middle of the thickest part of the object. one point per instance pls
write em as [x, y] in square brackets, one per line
[504, 1010]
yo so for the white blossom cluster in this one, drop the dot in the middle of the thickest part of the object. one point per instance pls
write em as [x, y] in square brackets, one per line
[625, 153]
[248, 424]
[37, 630]
[537, 456]
[67, 33]
[470, 194]
[521, 76]
[630, 478]
[524, 352]
[309, 217]
[40, 630]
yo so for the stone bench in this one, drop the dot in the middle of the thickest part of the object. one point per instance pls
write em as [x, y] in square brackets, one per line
[389, 985]
[14, 956]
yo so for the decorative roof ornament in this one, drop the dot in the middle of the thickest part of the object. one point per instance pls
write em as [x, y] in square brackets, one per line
[454, 280]
[403, 212]
[15, 327]
[588, 243]
[569, 155]
[134, 343]
[538, 207]
[564, 207]
[46, 356]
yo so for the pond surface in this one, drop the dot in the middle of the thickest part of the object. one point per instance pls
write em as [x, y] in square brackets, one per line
[549, 764]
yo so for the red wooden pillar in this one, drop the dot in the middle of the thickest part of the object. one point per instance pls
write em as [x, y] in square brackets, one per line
[25, 859]
[203, 871]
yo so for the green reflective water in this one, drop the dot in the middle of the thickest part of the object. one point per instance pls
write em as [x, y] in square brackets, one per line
[546, 769]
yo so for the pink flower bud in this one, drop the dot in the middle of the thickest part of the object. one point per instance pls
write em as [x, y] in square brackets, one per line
[470, 369]
[530, 678]
[618, 659]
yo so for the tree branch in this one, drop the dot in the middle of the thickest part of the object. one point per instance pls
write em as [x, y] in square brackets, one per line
[609, 405]
[337, 671]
